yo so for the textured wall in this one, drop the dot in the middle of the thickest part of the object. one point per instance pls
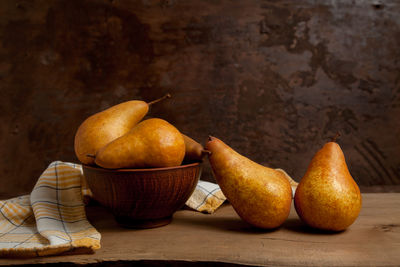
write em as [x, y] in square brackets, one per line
[273, 79]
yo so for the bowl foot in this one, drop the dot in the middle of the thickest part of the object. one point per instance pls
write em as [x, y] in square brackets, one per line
[142, 224]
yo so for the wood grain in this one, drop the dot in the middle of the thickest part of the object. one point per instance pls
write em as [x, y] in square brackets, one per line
[222, 239]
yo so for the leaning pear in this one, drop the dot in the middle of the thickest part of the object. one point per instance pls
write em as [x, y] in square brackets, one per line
[260, 195]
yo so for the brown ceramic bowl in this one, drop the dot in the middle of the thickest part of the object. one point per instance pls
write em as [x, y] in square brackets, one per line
[143, 198]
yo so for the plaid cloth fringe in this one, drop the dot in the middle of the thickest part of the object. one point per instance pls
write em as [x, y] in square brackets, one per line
[52, 219]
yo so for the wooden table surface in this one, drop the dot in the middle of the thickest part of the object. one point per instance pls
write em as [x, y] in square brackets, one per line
[194, 238]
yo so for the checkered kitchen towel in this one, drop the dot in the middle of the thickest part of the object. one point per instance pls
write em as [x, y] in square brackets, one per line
[52, 219]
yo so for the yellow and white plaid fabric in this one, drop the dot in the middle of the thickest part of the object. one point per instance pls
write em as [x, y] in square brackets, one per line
[52, 219]
[206, 198]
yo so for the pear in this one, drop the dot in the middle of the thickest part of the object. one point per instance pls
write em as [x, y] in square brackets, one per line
[106, 126]
[151, 143]
[260, 195]
[327, 197]
[194, 151]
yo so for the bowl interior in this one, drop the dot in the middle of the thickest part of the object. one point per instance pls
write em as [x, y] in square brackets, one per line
[100, 169]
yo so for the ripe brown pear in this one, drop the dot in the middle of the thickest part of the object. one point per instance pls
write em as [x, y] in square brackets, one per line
[327, 197]
[106, 126]
[194, 151]
[260, 195]
[150, 144]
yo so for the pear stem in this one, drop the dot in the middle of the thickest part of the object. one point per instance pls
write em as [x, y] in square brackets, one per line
[160, 99]
[333, 139]
[205, 151]
[90, 156]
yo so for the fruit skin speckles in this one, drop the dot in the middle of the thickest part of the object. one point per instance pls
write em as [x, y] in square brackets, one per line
[327, 197]
[103, 127]
[260, 195]
[153, 143]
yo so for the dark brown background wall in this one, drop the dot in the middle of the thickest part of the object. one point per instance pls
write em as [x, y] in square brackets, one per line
[273, 79]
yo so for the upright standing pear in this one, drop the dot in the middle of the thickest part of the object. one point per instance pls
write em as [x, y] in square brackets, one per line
[106, 126]
[327, 197]
[260, 195]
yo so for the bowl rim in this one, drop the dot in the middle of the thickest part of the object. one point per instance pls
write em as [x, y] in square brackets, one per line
[97, 168]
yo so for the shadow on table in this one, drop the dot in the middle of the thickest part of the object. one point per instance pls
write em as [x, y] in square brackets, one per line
[228, 223]
[296, 225]
[235, 224]
[103, 220]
